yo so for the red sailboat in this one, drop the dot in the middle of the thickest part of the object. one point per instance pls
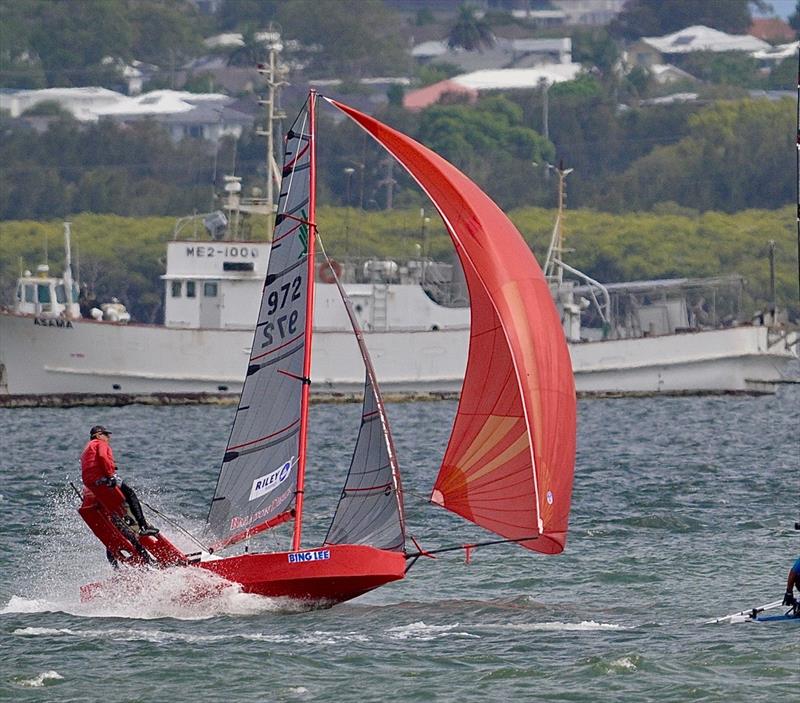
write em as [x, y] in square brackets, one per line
[509, 463]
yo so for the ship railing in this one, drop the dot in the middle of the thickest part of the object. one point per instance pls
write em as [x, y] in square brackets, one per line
[593, 287]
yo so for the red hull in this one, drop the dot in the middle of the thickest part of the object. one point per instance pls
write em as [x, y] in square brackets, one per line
[330, 574]
[103, 511]
[333, 573]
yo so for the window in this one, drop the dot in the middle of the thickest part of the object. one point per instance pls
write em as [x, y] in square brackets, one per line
[20, 291]
[191, 289]
[237, 265]
[61, 296]
[210, 289]
[176, 289]
[29, 295]
[44, 292]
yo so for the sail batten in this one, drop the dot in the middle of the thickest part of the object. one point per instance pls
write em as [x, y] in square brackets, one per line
[516, 414]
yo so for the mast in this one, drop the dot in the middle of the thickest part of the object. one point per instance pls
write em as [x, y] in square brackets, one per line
[306, 380]
[552, 267]
[272, 72]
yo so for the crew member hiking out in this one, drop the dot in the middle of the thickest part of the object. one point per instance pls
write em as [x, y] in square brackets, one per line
[791, 583]
[99, 473]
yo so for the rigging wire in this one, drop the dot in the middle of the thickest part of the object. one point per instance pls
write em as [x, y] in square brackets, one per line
[178, 527]
[164, 517]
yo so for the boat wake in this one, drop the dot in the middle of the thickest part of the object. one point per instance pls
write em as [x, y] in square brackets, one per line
[62, 557]
[583, 626]
[144, 594]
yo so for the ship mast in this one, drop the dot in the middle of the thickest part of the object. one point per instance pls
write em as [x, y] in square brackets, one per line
[273, 74]
[553, 269]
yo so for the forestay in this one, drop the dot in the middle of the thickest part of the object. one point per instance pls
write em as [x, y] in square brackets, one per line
[510, 460]
[258, 478]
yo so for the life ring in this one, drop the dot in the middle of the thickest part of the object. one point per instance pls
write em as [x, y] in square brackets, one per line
[327, 269]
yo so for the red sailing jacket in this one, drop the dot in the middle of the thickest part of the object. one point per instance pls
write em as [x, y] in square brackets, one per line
[97, 461]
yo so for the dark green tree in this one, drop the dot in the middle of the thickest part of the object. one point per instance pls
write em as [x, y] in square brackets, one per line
[72, 39]
[469, 32]
[794, 18]
[237, 14]
[346, 38]
[647, 18]
[783, 76]
[595, 48]
[737, 155]
[395, 95]
[723, 68]
[251, 52]
[165, 33]
[491, 142]
[18, 68]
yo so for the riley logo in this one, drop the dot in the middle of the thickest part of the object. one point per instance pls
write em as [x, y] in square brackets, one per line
[267, 484]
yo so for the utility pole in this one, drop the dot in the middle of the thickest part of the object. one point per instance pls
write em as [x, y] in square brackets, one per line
[348, 171]
[545, 108]
[389, 182]
[772, 301]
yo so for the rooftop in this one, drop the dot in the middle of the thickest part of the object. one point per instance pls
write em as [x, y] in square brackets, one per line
[702, 38]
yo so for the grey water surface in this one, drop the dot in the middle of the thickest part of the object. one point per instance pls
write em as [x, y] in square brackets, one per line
[682, 511]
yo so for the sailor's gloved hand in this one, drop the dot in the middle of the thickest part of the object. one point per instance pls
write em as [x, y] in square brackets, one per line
[788, 598]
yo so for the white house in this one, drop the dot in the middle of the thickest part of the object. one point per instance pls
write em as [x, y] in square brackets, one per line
[81, 102]
[658, 50]
[505, 53]
[518, 78]
[199, 115]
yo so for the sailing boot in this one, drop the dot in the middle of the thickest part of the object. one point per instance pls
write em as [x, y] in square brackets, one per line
[145, 530]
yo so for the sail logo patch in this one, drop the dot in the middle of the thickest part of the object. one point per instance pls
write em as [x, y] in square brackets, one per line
[302, 557]
[268, 483]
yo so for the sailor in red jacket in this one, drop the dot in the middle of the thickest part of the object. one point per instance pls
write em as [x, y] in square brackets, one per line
[99, 473]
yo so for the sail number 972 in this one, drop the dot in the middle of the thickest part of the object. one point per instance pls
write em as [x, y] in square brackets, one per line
[284, 325]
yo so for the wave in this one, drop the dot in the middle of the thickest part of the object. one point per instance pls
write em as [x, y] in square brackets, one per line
[583, 626]
[38, 681]
[161, 636]
[424, 632]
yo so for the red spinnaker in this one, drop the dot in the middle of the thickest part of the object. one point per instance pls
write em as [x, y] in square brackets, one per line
[510, 460]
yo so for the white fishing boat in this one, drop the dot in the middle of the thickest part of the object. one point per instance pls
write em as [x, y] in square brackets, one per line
[50, 354]
[637, 338]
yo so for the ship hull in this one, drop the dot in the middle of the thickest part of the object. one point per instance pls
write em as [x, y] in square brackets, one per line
[50, 358]
[746, 360]
[83, 361]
